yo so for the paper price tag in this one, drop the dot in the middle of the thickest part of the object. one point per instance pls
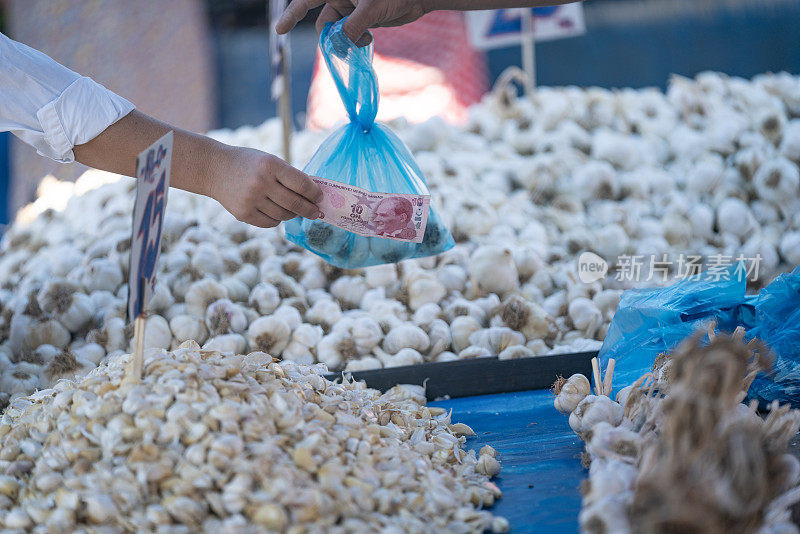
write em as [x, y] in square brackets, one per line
[152, 184]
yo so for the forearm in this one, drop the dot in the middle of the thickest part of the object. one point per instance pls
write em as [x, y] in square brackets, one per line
[470, 5]
[116, 148]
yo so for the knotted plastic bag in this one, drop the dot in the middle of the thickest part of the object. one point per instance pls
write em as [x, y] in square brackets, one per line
[366, 155]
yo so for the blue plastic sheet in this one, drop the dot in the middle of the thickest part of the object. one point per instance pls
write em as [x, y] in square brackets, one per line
[539, 453]
[777, 323]
[654, 320]
[651, 321]
[364, 154]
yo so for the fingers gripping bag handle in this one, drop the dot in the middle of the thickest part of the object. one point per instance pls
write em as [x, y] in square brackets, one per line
[376, 206]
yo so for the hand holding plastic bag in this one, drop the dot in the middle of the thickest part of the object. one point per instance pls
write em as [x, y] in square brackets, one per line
[367, 156]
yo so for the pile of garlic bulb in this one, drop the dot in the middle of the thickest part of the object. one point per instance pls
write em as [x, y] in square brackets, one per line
[678, 451]
[708, 168]
[222, 443]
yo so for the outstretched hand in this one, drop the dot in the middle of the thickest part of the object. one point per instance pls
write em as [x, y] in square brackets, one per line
[361, 15]
[262, 189]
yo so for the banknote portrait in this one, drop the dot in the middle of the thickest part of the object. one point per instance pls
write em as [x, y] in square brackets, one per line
[392, 218]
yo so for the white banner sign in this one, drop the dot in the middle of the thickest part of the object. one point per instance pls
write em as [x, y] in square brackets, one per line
[504, 27]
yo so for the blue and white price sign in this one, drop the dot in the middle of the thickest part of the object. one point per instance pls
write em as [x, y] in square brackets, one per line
[152, 183]
[504, 27]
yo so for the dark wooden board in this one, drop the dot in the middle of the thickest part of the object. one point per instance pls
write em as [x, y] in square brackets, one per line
[479, 376]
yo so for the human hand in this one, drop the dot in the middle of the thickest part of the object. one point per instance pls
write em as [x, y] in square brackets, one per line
[262, 189]
[361, 15]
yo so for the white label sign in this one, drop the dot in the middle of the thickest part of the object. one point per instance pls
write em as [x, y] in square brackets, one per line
[152, 183]
[503, 27]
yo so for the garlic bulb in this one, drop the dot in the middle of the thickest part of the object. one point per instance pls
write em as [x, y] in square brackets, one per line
[474, 351]
[336, 349]
[186, 327]
[349, 290]
[268, 334]
[528, 318]
[453, 277]
[585, 315]
[238, 291]
[19, 378]
[380, 275]
[440, 337]
[570, 393]
[303, 344]
[406, 335]
[227, 344]
[406, 356]
[367, 334]
[157, 334]
[111, 336]
[225, 317]
[461, 328]
[424, 289]
[46, 332]
[492, 269]
[777, 181]
[324, 312]
[734, 217]
[102, 274]
[496, 339]
[592, 410]
[790, 247]
[426, 314]
[201, 294]
[91, 353]
[514, 352]
[363, 364]
[64, 365]
[70, 307]
[265, 298]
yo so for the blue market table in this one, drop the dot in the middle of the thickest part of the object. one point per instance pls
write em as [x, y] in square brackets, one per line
[539, 453]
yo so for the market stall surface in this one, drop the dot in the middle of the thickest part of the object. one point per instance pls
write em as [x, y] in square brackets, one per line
[539, 453]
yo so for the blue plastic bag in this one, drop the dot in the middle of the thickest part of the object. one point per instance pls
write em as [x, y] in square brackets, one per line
[777, 317]
[364, 154]
[655, 320]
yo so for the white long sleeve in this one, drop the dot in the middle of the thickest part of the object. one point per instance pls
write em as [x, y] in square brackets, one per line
[49, 106]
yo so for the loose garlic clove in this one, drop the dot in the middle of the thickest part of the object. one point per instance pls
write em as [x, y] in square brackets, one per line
[488, 465]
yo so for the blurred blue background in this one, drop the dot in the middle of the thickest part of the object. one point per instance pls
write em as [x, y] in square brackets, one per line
[628, 43]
